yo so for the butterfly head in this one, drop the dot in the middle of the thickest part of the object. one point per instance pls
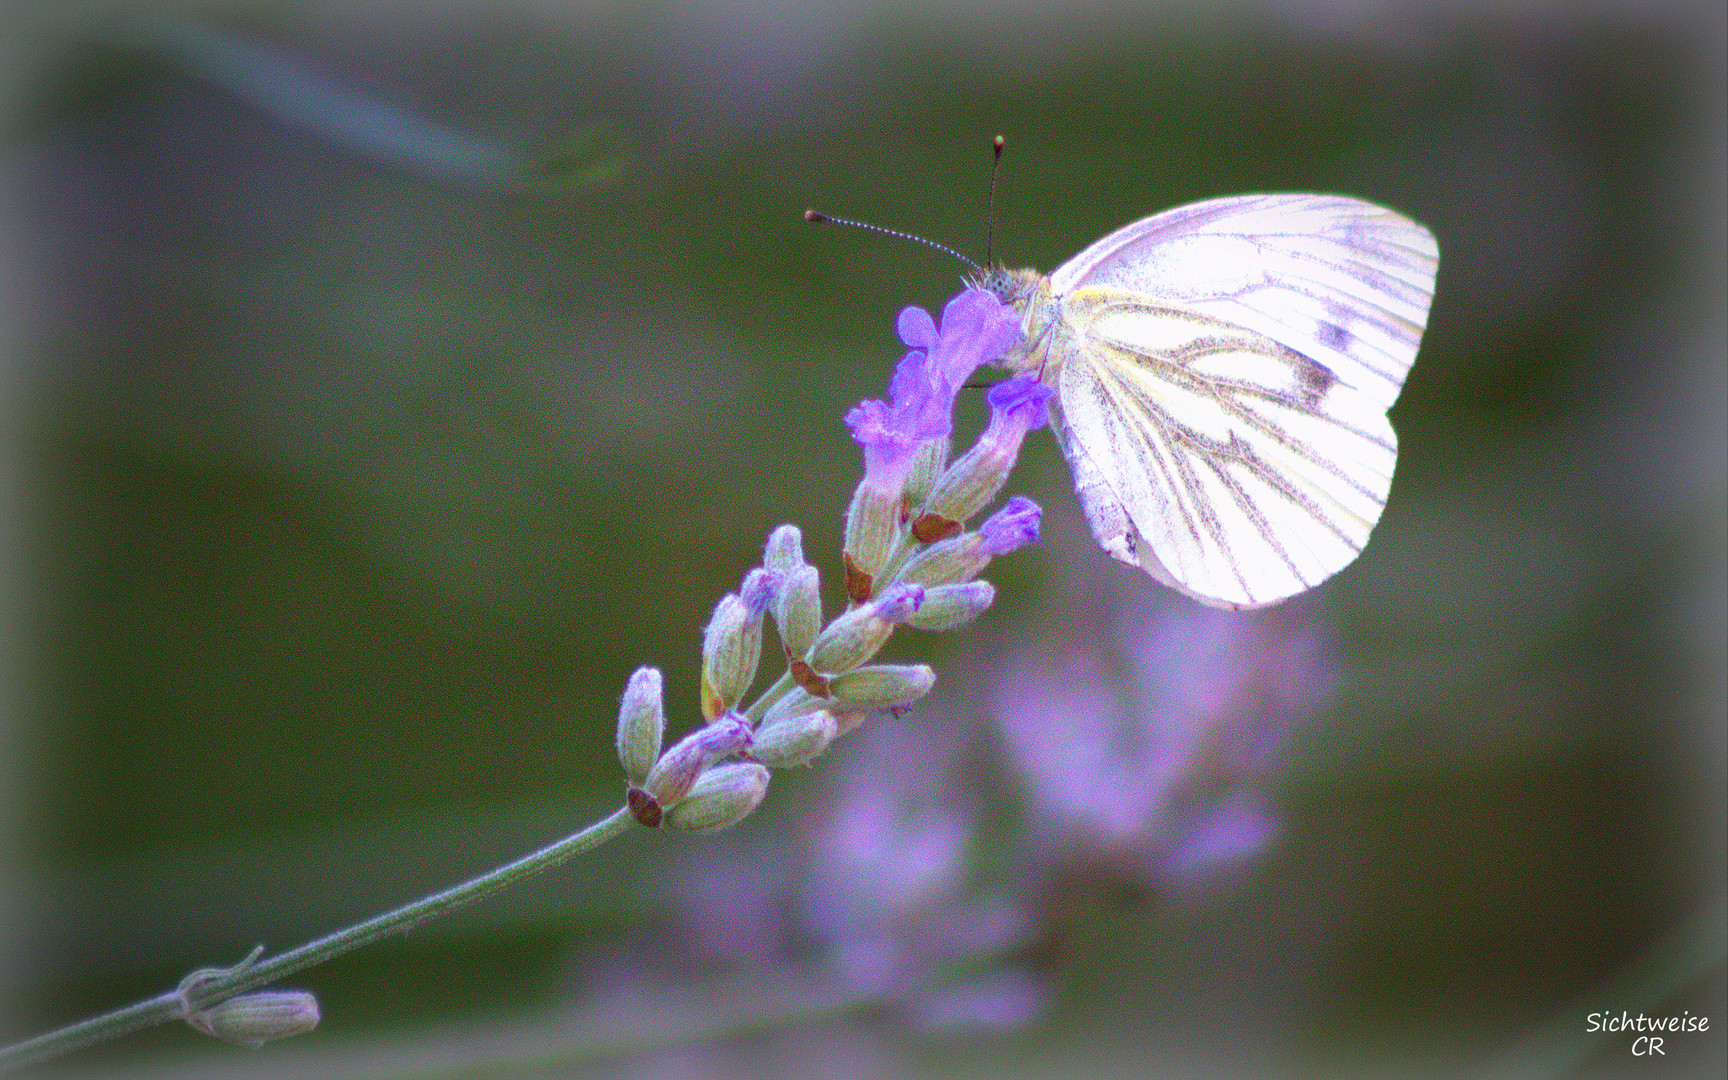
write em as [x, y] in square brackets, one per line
[1027, 292]
[1016, 288]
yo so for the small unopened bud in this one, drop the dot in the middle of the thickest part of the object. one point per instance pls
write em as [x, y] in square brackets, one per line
[871, 522]
[948, 606]
[1012, 527]
[257, 1018]
[882, 686]
[970, 483]
[847, 719]
[957, 559]
[1017, 405]
[641, 724]
[784, 550]
[792, 703]
[724, 796]
[794, 740]
[672, 776]
[798, 611]
[859, 634]
[732, 644]
[964, 557]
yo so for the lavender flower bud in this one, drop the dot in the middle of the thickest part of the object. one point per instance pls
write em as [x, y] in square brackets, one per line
[641, 724]
[871, 521]
[882, 686]
[792, 703]
[732, 643]
[948, 606]
[794, 740]
[784, 550]
[859, 634]
[956, 559]
[724, 796]
[257, 1018]
[847, 719]
[1017, 405]
[964, 557]
[1012, 527]
[672, 776]
[798, 611]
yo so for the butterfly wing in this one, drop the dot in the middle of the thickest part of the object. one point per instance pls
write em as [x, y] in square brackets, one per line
[1341, 281]
[1223, 372]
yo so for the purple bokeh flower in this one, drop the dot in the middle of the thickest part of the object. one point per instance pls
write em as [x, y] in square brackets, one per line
[1159, 775]
[888, 888]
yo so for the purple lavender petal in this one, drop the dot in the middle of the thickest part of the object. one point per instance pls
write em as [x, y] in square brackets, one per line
[1012, 527]
[1022, 400]
[759, 589]
[897, 603]
[976, 328]
[923, 408]
[917, 328]
[888, 451]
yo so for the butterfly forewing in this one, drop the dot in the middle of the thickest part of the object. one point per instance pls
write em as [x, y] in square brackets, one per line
[1344, 282]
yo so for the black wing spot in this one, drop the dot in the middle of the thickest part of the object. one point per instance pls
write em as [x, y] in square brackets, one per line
[1314, 380]
[1334, 336]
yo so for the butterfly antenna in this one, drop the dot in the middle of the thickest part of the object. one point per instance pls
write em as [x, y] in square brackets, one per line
[818, 217]
[996, 148]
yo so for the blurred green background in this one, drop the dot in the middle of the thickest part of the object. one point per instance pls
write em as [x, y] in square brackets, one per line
[386, 384]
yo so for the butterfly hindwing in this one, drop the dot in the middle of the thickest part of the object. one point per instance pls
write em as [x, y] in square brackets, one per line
[1227, 465]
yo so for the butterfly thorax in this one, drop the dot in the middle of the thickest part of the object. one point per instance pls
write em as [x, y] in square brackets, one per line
[1028, 292]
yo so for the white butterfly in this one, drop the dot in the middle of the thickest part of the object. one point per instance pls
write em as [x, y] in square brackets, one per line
[1222, 375]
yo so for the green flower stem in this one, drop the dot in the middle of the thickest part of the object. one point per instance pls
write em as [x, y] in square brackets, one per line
[782, 686]
[249, 976]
